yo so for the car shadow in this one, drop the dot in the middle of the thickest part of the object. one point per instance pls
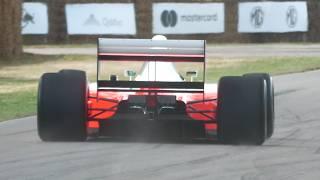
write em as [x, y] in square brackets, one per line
[151, 140]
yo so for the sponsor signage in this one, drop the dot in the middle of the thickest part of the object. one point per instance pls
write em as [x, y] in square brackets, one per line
[112, 18]
[34, 18]
[255, 17]
[188, 18]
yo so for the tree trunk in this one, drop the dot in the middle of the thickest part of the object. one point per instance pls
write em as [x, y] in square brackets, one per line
[143, 18]
[57, 19]
[10, 28]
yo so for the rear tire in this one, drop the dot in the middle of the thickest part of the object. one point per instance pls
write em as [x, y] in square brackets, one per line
[241, 113]
[62, 106]
[270, 100]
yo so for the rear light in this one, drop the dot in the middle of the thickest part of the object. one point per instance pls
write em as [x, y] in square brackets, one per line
[151, 101]
[89, 106]
[93, 124]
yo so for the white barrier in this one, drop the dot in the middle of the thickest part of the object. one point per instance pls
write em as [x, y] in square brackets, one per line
[255, 17]
[113, 18]
[34, 18]
[188, 18]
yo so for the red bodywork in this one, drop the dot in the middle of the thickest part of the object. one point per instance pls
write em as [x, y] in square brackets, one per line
[200, 106]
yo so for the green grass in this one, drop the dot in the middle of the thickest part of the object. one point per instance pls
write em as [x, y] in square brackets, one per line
[274, 66]
[91, 45]
[17, 104]
[19, 77]
[28, 58]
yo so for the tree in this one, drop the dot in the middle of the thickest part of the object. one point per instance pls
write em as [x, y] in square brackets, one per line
[144, 15]
[10, 28]
[57, 19]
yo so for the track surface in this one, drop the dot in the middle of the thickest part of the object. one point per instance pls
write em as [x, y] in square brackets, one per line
[216, 50]
[292, 153]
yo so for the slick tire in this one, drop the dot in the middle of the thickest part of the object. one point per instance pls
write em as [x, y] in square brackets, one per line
[270, 100]
[62, 106]
[241, 111]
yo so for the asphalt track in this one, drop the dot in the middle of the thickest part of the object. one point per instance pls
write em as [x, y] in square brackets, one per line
[292, 153]
[225, 51]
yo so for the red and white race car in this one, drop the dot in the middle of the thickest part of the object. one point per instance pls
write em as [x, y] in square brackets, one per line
[155, 88]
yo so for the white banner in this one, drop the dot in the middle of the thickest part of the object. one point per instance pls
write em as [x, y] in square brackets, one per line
[34, 18]
[273, 17]
[188, 18]
[113, 18]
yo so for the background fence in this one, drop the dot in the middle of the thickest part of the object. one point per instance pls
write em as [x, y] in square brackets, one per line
[57, 31]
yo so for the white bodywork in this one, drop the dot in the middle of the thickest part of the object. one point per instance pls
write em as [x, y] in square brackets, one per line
[159, 71]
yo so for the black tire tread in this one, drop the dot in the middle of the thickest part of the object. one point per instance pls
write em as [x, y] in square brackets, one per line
[241, 110]
[270, 100]
[62, 110]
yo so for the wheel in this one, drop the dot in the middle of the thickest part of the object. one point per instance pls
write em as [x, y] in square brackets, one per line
[62, 106]
[241, 111]
[270, 100]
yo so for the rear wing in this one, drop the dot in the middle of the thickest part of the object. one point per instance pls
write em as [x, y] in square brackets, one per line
[110, 49]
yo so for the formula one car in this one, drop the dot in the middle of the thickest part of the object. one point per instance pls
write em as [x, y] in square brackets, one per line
[155, 88]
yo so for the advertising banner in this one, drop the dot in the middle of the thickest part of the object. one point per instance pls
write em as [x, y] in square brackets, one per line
[255, 17]
[188, 18]
[112, 18]
[34, 18]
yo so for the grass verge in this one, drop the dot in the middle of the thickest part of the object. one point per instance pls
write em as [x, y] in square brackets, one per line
[17, 104]
[274, 66]
[19, 77]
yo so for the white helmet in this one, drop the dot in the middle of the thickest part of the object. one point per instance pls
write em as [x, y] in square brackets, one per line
[159, 37]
